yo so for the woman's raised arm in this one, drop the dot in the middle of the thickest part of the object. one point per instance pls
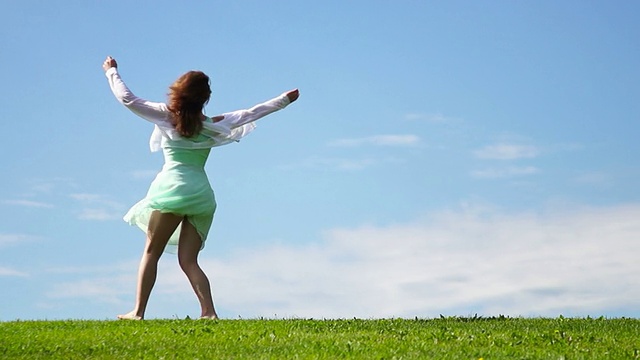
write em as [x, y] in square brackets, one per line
[239, 118]
[151, 111]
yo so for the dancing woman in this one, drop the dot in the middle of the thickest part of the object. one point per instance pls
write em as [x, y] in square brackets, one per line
[178, 209]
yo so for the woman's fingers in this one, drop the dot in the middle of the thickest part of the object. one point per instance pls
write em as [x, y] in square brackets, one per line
[108, 63]
[293, 95]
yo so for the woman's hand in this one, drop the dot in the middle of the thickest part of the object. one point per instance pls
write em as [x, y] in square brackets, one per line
[109, 63]
[293, 95]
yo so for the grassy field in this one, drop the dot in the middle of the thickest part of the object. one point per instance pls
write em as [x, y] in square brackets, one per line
[443, 338]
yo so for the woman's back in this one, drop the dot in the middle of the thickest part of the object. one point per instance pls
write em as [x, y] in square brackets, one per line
[194, 157]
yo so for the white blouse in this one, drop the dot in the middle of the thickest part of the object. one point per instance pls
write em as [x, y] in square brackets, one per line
[232, 127]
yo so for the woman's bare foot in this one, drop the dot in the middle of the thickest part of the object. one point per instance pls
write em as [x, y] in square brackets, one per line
[130, 316]
[209, 317]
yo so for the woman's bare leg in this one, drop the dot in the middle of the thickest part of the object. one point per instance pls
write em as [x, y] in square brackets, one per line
[188, 250]
[161, 226]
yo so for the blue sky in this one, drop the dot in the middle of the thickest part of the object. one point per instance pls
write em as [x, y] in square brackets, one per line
[444, 157]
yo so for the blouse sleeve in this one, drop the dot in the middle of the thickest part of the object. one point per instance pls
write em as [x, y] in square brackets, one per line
[239, 118]
[151, 111]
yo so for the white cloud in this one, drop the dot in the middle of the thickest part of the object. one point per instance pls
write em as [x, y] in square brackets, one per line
[98, 207]
[469, 261]
[96, 269]
[5, 271]
[352, 164]
[340, 163]
[508, 172]
[49, 184]
[87, 197]
[595, 178]
[144, 174]
[433, 117]
[507, 152]
[99, 214]
[105, 285]
[344, 164]
[28, 203]
[378, 140]
[100, 290]
[9, 239]
[486, 261]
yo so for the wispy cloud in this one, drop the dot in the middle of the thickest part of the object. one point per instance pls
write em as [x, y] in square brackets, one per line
[86, 197]
[594, 178]
[341, 164]
[28, 203]
[99, 214]
[507, 172]
[505, 151]
[378, 140]
[101, 284]
[98, 207]
[107, 290]
[573, 262]
[144, 174]
[432, 117]
[344, 164]
[95, 269]
[49, 184]
[9, 272]
[10, 239]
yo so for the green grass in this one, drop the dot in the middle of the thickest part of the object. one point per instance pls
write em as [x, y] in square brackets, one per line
[443, 338]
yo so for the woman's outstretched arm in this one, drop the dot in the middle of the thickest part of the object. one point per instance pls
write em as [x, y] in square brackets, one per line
[148, 110]
[236, 119]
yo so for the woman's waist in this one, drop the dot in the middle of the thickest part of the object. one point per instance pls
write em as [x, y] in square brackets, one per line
[182, 167]
[191, 157]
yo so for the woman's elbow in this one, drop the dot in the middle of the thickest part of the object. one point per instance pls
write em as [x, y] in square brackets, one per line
[128, 102]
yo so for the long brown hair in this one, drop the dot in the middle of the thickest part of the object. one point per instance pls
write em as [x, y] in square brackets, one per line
[187, 97]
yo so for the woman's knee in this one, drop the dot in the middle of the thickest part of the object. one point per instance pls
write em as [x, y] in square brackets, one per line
[153, 250]
[187, 263]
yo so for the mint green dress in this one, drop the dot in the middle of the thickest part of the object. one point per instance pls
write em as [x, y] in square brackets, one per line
[182, 187]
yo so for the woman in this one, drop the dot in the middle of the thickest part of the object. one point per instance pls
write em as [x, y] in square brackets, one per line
[178, 209]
